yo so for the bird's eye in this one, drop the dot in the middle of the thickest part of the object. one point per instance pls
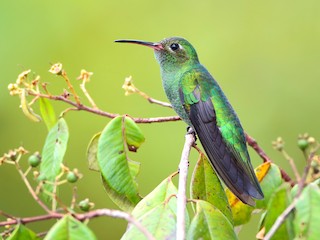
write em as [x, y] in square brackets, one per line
[174, 46]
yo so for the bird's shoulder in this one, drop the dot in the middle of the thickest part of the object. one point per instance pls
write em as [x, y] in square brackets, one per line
[196, 81]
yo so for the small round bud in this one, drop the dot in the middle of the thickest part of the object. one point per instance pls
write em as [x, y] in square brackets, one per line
[72, 177]
[303, 144]
[34, 160]
[311, 140]
[278, 144]
[56, 69]
[85, 205]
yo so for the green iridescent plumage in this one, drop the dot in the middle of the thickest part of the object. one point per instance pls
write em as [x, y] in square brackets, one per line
[200, 102]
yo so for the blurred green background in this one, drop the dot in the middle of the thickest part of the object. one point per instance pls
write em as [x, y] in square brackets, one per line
[264, 54]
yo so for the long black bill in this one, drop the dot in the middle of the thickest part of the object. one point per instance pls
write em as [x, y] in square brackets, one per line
[155, 46]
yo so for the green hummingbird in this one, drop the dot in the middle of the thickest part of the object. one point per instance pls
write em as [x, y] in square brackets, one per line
[199, 101]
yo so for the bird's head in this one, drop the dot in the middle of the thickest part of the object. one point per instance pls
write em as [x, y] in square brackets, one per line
[170, 52]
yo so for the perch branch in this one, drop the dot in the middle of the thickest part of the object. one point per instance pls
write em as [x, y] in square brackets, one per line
[182, 191]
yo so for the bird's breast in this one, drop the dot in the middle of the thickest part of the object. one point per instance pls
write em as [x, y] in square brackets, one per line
[171, 85]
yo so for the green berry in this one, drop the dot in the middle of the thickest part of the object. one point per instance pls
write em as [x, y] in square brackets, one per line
[84, 205]
[34, 160]
[303, 144]
[72, 177]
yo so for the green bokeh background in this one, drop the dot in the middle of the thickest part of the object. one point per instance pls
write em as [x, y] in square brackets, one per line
[264, 54]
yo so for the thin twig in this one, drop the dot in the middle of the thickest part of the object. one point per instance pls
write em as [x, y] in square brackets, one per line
[26, 220]
[152, 100]
[116, 214]
[103, 113]
[85, 92]
[75, 95]
[163, 104]
[74, 197]
[83, 217]
[292, 164]
[6, 215]
[281, 219]
[302, 182]
[130, 88]
[182, 190]
[253, 143]
[30, 189]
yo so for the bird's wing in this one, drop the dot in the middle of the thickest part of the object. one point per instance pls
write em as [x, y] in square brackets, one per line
[220, 133]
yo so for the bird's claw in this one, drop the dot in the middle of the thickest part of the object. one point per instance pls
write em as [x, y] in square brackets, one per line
[191, 131]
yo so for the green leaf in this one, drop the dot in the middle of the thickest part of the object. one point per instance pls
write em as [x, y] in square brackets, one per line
[205, 185]
[157, 213]
[70, 229]
[210, 223]
[53, 152]
[269, 176]
[119, 172]
[307, 213]
[47, 113]
[158, 196]
[92, 151]
[279, 201]
[160, 222]
[21, 232]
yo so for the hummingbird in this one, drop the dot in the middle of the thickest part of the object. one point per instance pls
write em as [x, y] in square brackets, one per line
[200, 102]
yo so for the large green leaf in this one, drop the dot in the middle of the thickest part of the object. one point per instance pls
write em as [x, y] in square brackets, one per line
[119, 172]
[21, 232]
[53, 152]
[307, 213]
[47, 113]
[270, 179]
[157, 213]
[210, 223]
[279, 201]
[205, 185]
[69, 228]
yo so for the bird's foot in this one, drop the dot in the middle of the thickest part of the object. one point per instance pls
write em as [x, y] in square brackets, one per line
[191, 131]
